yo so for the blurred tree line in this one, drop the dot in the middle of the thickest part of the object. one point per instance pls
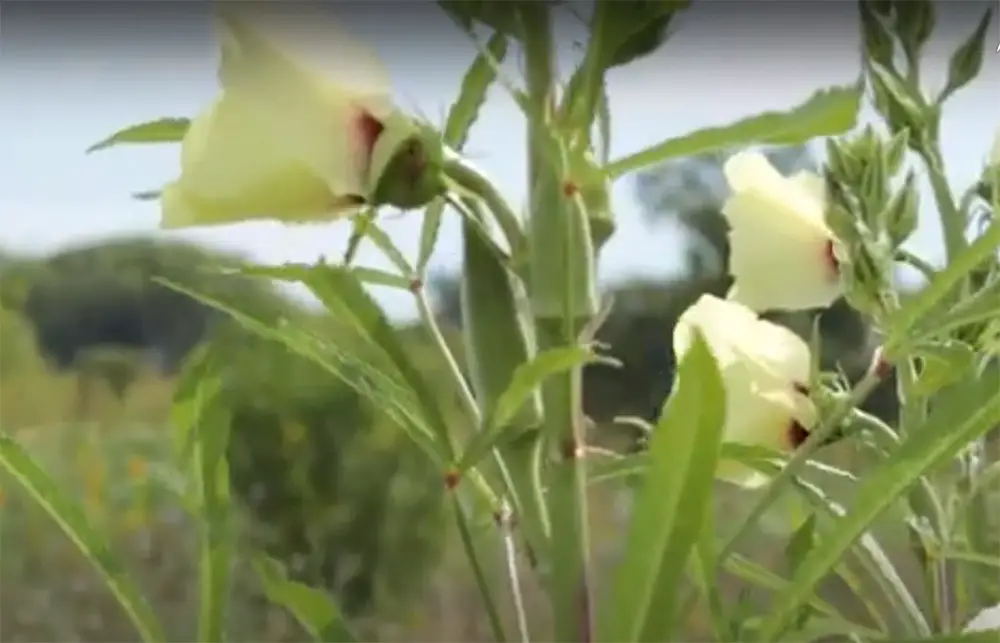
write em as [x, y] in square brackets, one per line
[337, 491]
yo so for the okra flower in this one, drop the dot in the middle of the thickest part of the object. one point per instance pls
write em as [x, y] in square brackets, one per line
[765, 370]
[995, 152]
[783, 256]
[984, 621]
[304, 129]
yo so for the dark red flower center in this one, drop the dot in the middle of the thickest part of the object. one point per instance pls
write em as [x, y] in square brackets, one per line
[368, 130]
[830, 257]
[797, 434]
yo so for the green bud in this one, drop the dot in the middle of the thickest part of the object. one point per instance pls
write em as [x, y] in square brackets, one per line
[878, 41]
[967, 60]
[914, 24]
[895, 152]
[900, 217]
[841, 162]
[874, 189]
[413, 176]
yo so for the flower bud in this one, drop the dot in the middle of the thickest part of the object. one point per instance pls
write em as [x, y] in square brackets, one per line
[783, 255]
[765, 372]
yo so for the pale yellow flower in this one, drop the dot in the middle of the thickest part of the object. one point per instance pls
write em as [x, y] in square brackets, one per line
[301, 131]
[984, 621]
[782, 253]
[995, 153]
[765, 371]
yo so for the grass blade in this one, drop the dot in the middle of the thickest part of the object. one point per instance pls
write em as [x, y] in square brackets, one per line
[74, 523]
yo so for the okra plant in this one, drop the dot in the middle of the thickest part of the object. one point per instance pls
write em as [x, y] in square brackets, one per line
[305, 129]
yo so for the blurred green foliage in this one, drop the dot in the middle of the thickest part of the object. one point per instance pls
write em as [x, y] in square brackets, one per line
[331, 488]
[89, 343]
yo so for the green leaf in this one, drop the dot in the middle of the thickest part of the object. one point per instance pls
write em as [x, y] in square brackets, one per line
[828, 112]
[967, 60]
[636, 28]
[500, 16]
[622, 31]
[670, 506]
[916, 309]
[943, 364]
[461, 117]
[73, 521]
[954, 423]
[391, 251]
[349, 361]
[311, 607]
[198, 411]
[163, 130]
[346, 299]
[525, 381]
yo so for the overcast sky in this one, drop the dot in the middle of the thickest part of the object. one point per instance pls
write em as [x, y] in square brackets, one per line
[74, 72]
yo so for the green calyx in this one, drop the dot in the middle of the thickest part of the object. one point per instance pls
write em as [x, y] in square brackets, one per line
[407, 169]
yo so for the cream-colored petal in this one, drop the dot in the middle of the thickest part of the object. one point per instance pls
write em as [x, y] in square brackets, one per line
[777, 261]
[735, 333]
[811, 183]
[752, 419]
[752, 173]
[761, 363]
[995, 152]
[778, 237]
[311, 83]
[232, 171]
[987, 619]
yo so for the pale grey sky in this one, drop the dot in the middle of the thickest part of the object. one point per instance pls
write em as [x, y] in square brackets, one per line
[72, 79]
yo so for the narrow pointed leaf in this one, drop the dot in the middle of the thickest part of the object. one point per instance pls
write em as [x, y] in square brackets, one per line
[527, 378]
[917, 308]
[828, 112]
[461, 117]
[670, 507]
[313, 608]
[941, 438]
[163, 130]
[71, 518]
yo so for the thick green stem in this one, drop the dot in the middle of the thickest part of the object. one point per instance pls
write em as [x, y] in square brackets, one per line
[563, 300]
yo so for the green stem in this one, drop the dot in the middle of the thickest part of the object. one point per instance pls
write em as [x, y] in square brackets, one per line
[465, 535]
[817, 437]
[467, 399]
[952, 219]
[558, 317]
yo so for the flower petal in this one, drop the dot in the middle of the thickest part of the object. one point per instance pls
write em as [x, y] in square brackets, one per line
[988, 619]
[314, 86]
[781, 247]
[231, 171]
[762, 366]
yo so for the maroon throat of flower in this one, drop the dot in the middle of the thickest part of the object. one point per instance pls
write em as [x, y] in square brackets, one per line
[795, 433]
[830, 259]
[366, 130]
